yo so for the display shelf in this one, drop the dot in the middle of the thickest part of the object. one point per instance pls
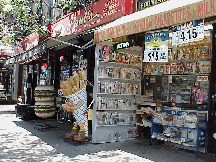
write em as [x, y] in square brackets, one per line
[103, 63]
[116, 109]
[176, 126]
[143, 125]
[116, 95]
[119, 79]
[199, 137]
[130, 51]
[106, 133]
[115, 125]
[178, 61]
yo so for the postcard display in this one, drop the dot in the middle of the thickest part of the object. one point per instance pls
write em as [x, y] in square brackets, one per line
[178, 61]
[117, 82]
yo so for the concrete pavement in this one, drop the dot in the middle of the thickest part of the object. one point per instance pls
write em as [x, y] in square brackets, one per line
[19, 141]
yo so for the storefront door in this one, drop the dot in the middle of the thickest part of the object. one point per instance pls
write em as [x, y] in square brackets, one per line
[211, 138]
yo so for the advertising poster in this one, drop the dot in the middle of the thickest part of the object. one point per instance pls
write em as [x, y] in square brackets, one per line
[197, 95]
[104, 52]
[156, 46]
[188, 32]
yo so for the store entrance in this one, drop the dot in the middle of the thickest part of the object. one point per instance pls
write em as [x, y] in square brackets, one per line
[211, 138]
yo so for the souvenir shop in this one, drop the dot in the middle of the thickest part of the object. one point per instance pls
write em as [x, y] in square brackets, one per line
[173, 95]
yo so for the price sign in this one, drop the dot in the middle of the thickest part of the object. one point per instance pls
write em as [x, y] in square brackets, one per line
[188, 32]
[156, 46]
[155, 56]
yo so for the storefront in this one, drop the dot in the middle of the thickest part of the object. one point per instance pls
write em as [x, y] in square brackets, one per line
[177, 80]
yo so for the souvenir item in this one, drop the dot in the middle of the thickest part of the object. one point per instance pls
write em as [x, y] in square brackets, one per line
[145, 70]
[182, 54]
[148, 69]
[119, 58]
[110, 72]
[114, 56]
[127, 59]
[189, 53]
[204, 67]
[123, 73]
[154, 69]
[118, 74]
[196, 67]
[128, 74]
[196, 51]
[115, 72]
[132, 72]
[204, 52]
[167, 68]
[174, 54]
[104, 52]
[173, 68]
[170, 56]
[197, 95]
[181, 67]
[189, 68]
[137, 74]
[161, 69]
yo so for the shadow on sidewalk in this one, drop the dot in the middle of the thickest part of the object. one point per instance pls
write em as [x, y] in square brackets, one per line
[56, 138]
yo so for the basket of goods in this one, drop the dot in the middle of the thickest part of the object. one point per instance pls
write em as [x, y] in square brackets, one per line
[44, 101]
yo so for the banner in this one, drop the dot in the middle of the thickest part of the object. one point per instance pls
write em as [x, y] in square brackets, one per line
[98, 13]
[156, 46]
[199, 10]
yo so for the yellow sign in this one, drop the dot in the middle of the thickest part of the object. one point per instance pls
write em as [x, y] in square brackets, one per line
[89, 114]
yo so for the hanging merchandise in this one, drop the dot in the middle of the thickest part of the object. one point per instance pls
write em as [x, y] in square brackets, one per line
[188, 32]
[156, 46]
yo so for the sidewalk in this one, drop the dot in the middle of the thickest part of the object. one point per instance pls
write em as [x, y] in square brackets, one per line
[43, 145]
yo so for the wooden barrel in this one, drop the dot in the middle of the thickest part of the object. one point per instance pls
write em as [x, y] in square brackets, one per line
[44, 105]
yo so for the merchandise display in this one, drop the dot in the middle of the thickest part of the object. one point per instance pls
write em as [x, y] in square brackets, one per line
[115, 118]
[179, 126]
[118, 82]
[114, 103]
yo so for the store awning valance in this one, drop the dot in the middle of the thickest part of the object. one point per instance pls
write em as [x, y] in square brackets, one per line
[29, 55]
[162, 15]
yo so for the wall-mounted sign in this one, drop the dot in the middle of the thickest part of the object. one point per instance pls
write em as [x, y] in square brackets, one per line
[188, 32]
[122, 45]
[143, 4]
[156, 46]
[91, 16]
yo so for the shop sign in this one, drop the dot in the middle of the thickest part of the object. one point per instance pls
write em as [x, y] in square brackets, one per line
[30, 41]
[188, 32]
[156, 46]
[122, 45]
[143, 4]
[91, 16]
[202, 78]
[199, 10]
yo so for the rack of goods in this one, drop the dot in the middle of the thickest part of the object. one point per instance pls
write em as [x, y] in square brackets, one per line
[3, 94]
[144, 115]
[117, 81]
[44, 101]
[183, 128]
